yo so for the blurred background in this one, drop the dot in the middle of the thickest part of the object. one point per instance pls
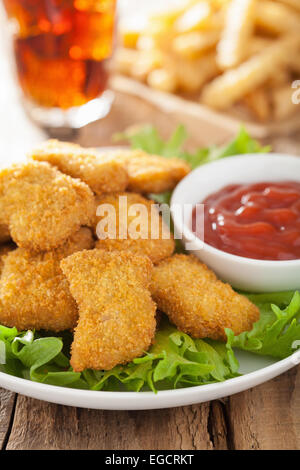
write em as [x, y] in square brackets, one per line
[83, 70]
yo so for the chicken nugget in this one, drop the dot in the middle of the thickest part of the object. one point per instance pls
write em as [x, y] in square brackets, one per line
[135, 216]
[4, 249]
[41, 206]
[34, 293]
[116, 313]
[4, 234]
[151, 173]
[197, 302]
[102, 173]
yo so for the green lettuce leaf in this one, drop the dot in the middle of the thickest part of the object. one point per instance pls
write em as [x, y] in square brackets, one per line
[38, 359]
[277, 333]
[147, 138]
[175, 360]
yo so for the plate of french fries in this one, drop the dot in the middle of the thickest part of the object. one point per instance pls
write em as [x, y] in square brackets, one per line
[236, 58]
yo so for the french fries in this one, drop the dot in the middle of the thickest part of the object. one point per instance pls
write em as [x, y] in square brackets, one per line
[195, 44]
[169, 15]
[145, 63]
[259, 104]
[227, 54]
[130, 34]
[239, 25]
[191, 76]
[257, 44]
[293, 62]
[194, 18]
[163, 80]
[225, 90]
[291, 3]
[276, 17]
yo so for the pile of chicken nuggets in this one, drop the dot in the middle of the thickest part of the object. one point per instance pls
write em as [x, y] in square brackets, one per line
[59, 273]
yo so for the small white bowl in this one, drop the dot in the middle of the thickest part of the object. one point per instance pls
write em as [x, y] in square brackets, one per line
[243, 273]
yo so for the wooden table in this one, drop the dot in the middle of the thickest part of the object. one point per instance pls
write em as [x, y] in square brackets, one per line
[266, 417]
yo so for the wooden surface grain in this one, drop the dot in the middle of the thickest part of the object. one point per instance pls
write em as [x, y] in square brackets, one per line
[266, 417]
[40, 425]
[7, 404]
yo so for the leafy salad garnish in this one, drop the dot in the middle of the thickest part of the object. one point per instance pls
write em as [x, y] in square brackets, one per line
[175, 360]
[148, 139]
[277, 333]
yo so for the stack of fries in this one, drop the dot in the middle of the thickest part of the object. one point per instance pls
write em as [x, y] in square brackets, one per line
[224, 53]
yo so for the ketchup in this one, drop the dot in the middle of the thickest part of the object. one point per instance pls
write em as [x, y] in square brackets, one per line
[259, 221]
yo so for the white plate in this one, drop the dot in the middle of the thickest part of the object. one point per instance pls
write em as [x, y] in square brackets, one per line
[257, 370]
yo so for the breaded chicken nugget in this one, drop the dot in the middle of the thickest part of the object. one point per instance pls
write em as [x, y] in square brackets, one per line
[4, 249]
[4, 234]
[42, 206]
[116, 313]
[150, 173]
[135, 216]
[197, 302]
[34, 293]
[103, 174]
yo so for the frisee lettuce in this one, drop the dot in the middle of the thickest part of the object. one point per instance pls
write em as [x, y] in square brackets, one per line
[175, 359]
[277, 333]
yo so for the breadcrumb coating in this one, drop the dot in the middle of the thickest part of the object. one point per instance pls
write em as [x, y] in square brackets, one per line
[116, 313]
[157, 249]
[42, 206]
[4, 249]
[150, 173]
[34, 293]
[197, 302]
[4, 234]
[103, 174]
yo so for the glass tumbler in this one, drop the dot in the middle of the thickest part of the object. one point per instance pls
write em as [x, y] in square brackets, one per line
[61, 50]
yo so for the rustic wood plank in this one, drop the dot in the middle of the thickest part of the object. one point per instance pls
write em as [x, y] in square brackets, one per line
[41, 425]
[267, 416]
[219, 431]
[7, 400]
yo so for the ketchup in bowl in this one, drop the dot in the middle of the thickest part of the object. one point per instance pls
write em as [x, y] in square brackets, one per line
[259, 221]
